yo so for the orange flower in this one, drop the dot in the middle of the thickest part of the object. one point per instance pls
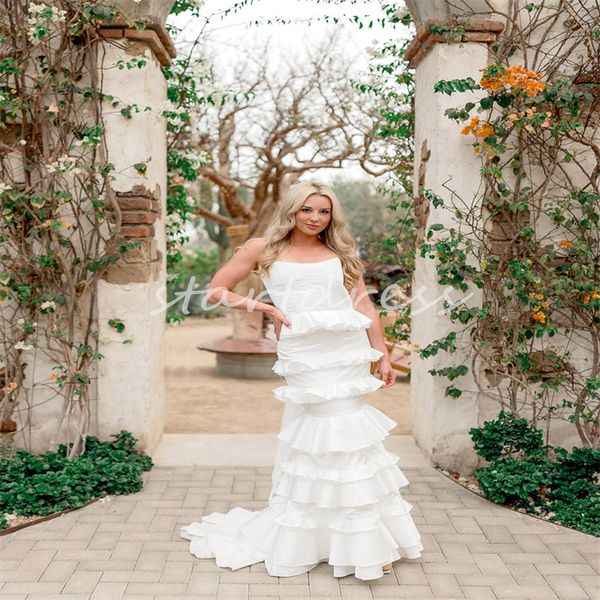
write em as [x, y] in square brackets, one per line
[516, 77]
[53, 376]
[484, 130]
[478, 128]
[539, 316]
[565, 244]
[7, 389]
[471, 126]
[539, 296]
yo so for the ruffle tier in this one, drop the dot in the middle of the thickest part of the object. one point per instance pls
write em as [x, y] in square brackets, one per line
[344, 319]
[342, 467]
[331, 391]
[338, 432]
[285, 366]
[352, 542]
[332, 494]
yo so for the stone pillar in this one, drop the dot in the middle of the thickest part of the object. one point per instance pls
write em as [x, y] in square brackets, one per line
[442, 158]
[131, 391]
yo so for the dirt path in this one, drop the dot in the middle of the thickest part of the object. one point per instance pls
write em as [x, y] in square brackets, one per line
[200, 401]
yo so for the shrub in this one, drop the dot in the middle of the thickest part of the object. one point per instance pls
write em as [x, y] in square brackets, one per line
[42, 484]
[513, 482]
[521, 473]
[507, 436]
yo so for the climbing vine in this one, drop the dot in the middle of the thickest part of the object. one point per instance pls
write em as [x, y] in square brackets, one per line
[61, 223]
[531, 240]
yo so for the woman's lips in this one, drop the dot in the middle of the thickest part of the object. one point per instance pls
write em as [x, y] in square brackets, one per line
[313, 226]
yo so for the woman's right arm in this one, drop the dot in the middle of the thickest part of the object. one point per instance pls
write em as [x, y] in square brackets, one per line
[237, 268]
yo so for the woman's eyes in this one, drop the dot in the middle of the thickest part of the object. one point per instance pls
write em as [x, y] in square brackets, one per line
[324, 211]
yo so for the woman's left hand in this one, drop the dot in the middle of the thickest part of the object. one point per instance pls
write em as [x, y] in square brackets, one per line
[386, 372]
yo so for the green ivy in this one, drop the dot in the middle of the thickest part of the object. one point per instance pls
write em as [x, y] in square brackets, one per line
[522, 474]
[42, 484]
[508, 436]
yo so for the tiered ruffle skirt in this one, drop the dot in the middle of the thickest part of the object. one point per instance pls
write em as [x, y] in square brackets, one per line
[335, 494]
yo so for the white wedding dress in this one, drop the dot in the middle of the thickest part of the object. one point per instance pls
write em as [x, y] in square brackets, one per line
[335, 487]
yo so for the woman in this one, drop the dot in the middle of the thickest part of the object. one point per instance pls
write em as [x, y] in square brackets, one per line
[335, 487]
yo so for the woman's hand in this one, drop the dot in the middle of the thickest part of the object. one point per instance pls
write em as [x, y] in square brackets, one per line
[386, 372]
[279, 319]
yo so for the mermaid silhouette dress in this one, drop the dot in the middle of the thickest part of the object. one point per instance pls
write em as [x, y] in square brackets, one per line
[335, 494]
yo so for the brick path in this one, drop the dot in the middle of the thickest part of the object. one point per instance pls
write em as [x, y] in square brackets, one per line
[129, 548]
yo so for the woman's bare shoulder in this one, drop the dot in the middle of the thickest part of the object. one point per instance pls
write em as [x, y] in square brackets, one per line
[255, 247]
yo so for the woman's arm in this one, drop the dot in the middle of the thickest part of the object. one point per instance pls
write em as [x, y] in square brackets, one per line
[237, 268]
[364, 305]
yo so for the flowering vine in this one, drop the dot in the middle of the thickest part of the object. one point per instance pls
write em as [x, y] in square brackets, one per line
[531, 241]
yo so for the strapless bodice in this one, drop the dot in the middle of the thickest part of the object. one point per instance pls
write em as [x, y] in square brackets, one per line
[312, 296]
[299, 287]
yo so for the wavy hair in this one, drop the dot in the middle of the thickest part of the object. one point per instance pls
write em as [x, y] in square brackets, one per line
[335, 236]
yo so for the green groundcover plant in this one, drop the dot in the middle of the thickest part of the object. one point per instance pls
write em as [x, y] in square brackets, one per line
[42, 484]
[544, 480]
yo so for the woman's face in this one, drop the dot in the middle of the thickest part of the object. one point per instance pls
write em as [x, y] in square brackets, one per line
[314, 214]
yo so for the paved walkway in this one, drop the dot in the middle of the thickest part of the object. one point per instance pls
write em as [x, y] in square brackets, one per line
[129, 548]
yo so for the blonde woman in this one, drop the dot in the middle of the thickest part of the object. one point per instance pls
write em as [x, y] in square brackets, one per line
[335, 487]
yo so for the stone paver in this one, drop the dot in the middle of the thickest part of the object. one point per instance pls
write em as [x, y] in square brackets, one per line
[129, 548]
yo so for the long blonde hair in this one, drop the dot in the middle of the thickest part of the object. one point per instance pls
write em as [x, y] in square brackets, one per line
[335, 236]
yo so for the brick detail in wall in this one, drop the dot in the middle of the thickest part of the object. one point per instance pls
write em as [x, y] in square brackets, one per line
[154, 36]
[455, 31]
[139, 212]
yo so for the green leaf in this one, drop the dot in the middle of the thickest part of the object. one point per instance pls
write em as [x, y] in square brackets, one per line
[455, 85]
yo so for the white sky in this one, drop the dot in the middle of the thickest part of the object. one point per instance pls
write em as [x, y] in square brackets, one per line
[233, 33]
[232, 36]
